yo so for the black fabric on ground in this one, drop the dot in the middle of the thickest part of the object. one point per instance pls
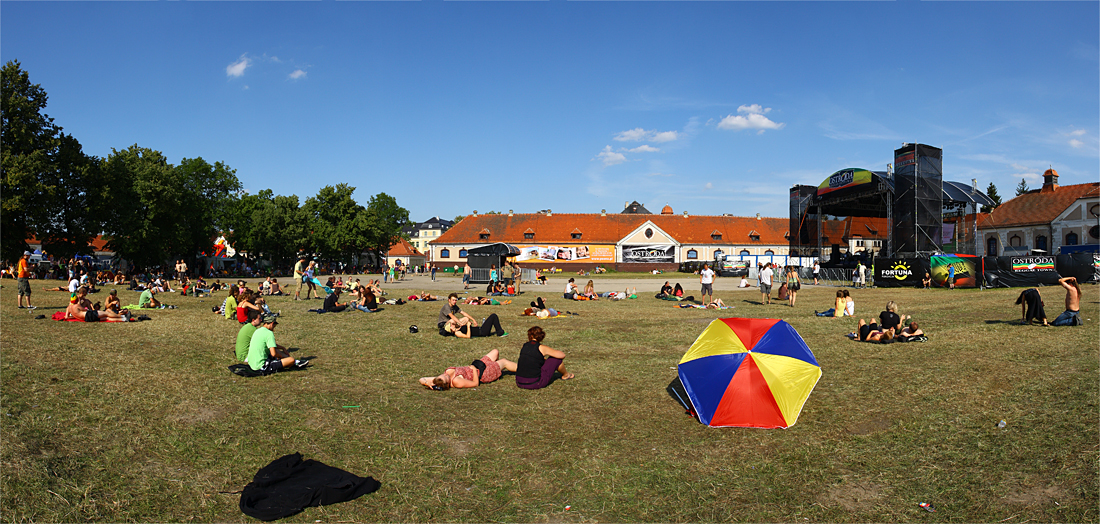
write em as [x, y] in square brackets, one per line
[289, 484]
[679, 394]
[245, 370]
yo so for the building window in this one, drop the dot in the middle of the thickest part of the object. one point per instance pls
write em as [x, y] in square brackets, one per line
[693, 254]
[1041, 242]
[755, 238]
[991, 247]
[576, 236]
[444, 253]
[769, 253]
[1015, 241]
[859, 243]
[878, 243]
[1071, 239]
[484, 236]
[744, 252]
[718, 254]
[717, 236]
[529, 236]
[462, 253]
[649, 232]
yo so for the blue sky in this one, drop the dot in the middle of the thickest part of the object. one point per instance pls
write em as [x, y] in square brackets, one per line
[710, 107]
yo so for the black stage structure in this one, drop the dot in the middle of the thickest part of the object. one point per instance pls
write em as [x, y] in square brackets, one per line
[913, 199]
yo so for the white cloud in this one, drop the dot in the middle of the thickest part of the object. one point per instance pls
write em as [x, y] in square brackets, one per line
[643, 149]
[752, 117]
[609, 157]
[298, 73]
[1077, 132]
[709, 186]
[1076, 143]
[641, 135]
[237, 68]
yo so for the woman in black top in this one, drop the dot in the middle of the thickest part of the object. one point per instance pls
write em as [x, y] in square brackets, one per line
[537, 363]
[1031, 306]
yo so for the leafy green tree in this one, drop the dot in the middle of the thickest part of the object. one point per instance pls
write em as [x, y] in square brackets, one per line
[338, 223]
[383, 225]
[78, 203]
[206, 203]
[279, 228]
[457, 219]
[991, 192]
[28, 142]
[1022, 188]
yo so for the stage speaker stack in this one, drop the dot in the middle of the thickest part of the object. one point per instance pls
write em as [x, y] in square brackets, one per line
[918, 200]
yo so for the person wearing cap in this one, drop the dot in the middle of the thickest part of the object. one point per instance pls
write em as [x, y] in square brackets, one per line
[23, 274]
[146, 300]
[264, 355]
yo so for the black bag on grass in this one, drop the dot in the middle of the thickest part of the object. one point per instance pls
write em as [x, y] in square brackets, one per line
[245, 370]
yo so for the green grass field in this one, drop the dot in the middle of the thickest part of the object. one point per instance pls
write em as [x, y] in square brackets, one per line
[143, 422]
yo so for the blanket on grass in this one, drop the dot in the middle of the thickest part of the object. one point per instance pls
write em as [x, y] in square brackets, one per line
[289, 484]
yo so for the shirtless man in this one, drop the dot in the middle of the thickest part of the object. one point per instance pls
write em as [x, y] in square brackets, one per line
[80, 308]
[1072, 315]
[912, 330]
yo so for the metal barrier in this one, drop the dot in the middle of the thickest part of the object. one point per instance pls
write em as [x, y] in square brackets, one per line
[478, 275]
[832, 276]
[527, 276]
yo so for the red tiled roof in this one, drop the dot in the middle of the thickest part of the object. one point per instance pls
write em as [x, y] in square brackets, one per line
[1036, 207]
[609, 229]
[403, 249]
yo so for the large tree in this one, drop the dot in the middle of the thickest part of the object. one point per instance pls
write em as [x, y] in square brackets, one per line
[338, 224]
[384, 222]
[28, 146]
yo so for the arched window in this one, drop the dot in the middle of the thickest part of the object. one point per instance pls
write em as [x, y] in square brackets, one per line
[462, 253]
[718, 254]
[444, 253]
[1071, 238]
[693, 254]
[769, 253]
[1041, 242]
[744, 252]
[991, 247]
[1015, 241]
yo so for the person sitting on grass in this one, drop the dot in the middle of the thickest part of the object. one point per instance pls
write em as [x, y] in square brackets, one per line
[537, 362]
[147, 300]
[571, 289]
[870, 333]
[471, 329]
[264, 355]
[926, 282]
[367, 301]
[481, 371]
[229, 307]
[249, 301]
[113, 303]
[450, 311]
[332, 303]
[890, 317]
[1072, 315]
[244, 336]
[276, 289]
[83, 310]
[590, 291]
[844, 306]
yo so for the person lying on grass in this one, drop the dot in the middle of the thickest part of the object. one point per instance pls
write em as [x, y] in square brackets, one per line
[912, 330]
[481, 371]
[470, 329]
[537, 362]
[264, 355]
[870, 333]
[84, 310]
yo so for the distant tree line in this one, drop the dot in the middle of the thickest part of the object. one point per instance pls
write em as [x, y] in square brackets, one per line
[151, 211]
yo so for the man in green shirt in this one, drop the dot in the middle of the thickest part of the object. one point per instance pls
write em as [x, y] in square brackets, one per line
[244, 336]
[264, 354]
[146, 300]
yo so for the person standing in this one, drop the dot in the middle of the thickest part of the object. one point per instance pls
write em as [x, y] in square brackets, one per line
[506, 273]
[951, 276]
[794, 283]
[1072, 315]
[765, 278]
[817, 272]
[23, 274]
[706, 279]
[299, 273]
[433, 273]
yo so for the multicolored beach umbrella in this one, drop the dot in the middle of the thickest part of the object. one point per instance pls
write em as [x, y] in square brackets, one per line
[749, 372]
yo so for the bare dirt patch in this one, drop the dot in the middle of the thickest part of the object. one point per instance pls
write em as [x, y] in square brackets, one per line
[872, 425]
[852, 496]
[1034, 495]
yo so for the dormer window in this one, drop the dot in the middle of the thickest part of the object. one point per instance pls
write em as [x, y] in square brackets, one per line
[529, 234]
[576, 234]
[484, 234]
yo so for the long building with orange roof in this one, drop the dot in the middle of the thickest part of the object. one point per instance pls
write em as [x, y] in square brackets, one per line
[632, 240]
[1052, 219]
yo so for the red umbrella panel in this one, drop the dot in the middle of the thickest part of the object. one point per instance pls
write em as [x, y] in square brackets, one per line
[749, 372]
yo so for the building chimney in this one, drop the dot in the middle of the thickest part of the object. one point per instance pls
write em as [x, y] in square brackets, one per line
[603, 212]
[758, 216]
[509, 212]
[1050, 181]
[475, 213]
[549, 212]
[685, 214]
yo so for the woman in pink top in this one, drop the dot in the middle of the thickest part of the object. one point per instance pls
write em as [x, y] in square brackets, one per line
[481, 371]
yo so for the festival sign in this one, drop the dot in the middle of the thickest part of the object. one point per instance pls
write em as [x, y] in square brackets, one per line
[654, 254]
[898, 272]
[967, 270]
[561, 254]
[845, 179]
[1032, 264]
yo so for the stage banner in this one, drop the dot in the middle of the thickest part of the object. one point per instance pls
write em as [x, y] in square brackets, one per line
[1080, 265]
[1096, 267]
[968, 270]
[899, 272]
[1021, 271]
[661, 254]
[560, 254]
